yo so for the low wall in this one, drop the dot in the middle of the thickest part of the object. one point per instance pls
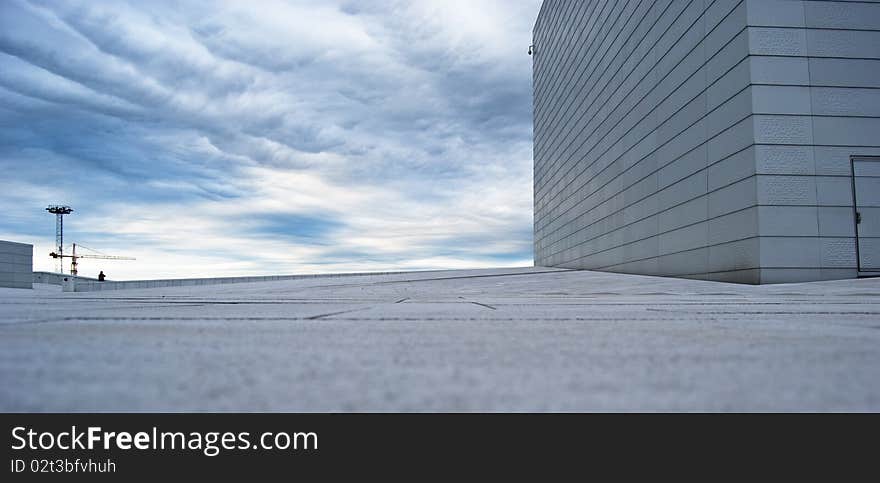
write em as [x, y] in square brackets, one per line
[16, 264]
[53, 278]
[77, 285]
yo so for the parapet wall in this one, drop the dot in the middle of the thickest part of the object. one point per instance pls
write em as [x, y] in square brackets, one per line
[78, 285]
[53, 278]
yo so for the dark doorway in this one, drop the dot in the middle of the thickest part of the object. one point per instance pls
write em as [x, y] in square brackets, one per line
[866, 202]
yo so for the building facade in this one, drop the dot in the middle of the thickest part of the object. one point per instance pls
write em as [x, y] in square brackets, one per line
[710, 139]
[16, 265]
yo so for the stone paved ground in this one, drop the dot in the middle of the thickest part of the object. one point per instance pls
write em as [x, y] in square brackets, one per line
[486, 340]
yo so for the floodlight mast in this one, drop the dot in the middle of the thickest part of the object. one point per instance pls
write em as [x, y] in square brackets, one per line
[59, 211]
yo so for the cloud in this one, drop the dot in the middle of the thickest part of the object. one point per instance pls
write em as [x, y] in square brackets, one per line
[225, 138]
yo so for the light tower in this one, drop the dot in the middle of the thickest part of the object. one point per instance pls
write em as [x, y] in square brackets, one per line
[59, 211]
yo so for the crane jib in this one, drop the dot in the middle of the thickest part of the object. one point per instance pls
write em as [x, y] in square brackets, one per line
[74, 257]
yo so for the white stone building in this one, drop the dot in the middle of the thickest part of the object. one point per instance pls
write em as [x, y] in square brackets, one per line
[721, 140]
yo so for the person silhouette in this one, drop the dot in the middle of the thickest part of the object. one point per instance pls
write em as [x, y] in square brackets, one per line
[101, 276]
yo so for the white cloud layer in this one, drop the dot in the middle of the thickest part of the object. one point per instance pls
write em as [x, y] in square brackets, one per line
[227, 138]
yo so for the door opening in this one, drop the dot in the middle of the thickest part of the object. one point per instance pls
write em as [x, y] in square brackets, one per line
[866, 213]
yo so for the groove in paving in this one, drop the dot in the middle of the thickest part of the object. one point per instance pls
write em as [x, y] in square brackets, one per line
[484, 305]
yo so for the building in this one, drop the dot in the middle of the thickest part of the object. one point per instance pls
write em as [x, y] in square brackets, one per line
[722, 140]
[16, 265]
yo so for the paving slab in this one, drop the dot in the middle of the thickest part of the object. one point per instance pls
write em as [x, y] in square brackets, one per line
[531, 339]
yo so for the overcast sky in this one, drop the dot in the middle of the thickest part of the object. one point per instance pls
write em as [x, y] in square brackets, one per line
[225, 138]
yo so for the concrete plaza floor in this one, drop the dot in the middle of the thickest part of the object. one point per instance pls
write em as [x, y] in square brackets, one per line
[486, 340]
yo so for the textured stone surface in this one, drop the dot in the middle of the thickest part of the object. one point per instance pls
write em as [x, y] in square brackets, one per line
[643, 133]
[488, 340]
[16, 264]
[777, 41]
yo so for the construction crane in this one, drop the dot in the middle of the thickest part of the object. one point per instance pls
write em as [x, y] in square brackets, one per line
[74, 257]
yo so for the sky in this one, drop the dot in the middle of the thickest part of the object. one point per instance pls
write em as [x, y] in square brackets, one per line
[223, 138]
